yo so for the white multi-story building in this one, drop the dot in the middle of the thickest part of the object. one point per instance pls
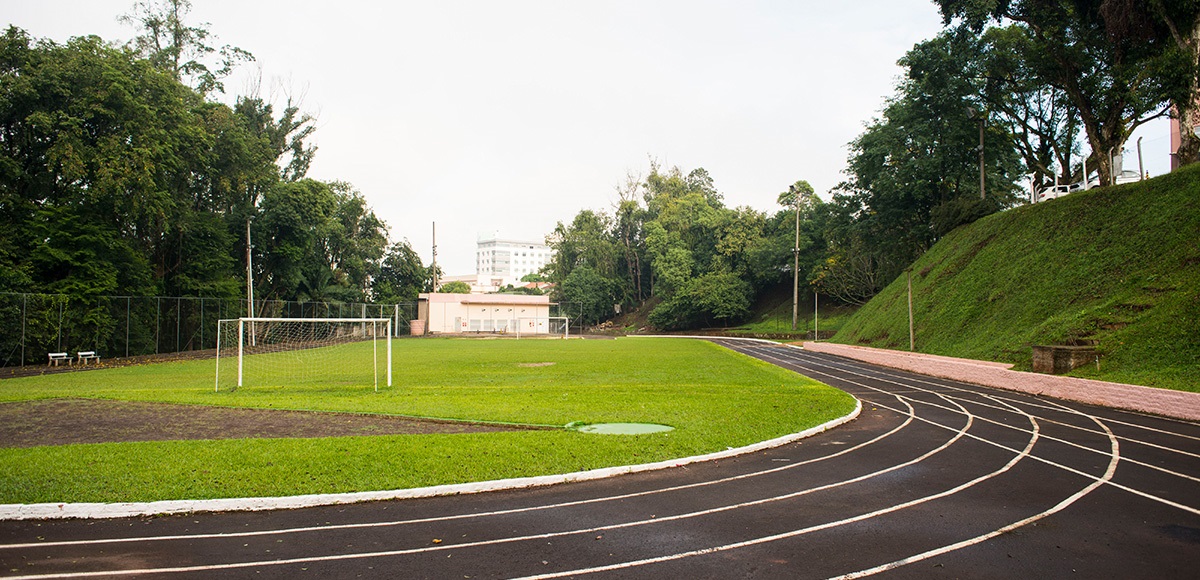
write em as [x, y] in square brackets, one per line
[509, 260]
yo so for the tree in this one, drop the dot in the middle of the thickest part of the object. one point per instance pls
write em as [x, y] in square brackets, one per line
[357, 240]
[455, 287]
[590, 292]
[914, 174]
[1172, 27]
[172, 45]
[716, 298]
[1113, 82]
[295, 221]
[1040, 119]
[402, 276]
[284, 137]
[92, 138]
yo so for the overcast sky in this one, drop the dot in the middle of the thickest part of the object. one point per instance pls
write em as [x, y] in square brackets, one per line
[510, 116]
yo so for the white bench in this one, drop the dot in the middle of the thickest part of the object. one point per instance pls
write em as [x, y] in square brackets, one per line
[57, 357]
[87, 355]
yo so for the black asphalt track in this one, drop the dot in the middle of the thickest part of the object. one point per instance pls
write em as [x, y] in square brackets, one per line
[935, 479]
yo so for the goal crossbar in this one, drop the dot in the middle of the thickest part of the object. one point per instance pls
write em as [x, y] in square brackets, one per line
[241, 340]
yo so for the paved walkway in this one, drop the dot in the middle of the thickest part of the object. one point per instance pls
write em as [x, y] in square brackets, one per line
[1168, 403]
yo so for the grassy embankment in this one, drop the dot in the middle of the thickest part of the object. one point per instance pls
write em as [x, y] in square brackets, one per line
[713, 397]
[1118, 267]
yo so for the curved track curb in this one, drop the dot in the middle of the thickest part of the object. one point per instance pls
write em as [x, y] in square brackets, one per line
[134, 509]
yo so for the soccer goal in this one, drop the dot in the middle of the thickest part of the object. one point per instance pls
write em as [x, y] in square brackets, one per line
[552, 326]
[304, 351]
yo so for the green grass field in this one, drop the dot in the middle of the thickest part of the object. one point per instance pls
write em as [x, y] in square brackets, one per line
[713, 397]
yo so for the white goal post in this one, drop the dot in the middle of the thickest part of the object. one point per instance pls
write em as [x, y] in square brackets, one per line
[322, 351]
[544, 326]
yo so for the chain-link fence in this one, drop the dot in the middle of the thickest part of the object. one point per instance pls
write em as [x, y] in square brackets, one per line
[34, 325]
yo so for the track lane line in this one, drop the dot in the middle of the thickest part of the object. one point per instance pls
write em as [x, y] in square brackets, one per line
[1137, 492]
[1058, 408]
[884, 371]
[1115, 458]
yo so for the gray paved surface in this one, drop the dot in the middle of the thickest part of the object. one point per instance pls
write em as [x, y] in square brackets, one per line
[936, 479]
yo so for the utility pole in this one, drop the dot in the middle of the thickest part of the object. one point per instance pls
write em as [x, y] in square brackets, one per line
[250, 285]
[796, 266]
[800, 192]
[249, 274]
[433, 268]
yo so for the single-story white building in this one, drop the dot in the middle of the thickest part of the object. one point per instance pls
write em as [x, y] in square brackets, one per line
[490, 313]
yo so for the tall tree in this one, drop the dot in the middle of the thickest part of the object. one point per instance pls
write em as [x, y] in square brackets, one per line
[182, 49]
[1172, 27]
[1113, 83]
[1041, 120]
[284, 137]
[402, 276]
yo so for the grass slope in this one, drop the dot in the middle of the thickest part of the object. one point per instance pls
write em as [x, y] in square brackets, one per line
[1119, 266]
[714, 398]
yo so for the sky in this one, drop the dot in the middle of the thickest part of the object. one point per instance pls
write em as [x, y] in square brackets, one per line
[510, 116]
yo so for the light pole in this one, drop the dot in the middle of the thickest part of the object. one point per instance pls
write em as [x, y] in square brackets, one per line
[796, 259]
[800, 192]
[249, 274]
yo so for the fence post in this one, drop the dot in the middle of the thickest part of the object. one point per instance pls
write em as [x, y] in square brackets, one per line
[128, 305]
[157, 321]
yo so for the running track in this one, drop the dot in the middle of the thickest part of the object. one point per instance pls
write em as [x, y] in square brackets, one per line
[935, 479]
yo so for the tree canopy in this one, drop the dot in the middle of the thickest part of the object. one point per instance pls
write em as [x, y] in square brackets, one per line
[118, 178]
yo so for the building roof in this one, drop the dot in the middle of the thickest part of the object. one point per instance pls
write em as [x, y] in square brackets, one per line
[506, 299]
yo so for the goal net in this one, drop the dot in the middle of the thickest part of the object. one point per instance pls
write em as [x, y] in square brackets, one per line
[551, 326]
[303, 352]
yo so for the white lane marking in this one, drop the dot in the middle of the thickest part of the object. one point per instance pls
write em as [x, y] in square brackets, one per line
[795, 533]
[934, 381]
[1122, 487]
[1057, 408]
[959, 433]
[909, 417]
[1115, 458]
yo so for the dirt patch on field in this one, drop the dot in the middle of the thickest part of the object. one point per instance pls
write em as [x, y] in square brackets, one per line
[63, 421]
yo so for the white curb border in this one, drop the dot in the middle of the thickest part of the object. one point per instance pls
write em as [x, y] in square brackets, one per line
[135, 509]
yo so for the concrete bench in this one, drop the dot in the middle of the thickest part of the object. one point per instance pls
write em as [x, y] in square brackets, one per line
[57, 357]
[88, 355]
